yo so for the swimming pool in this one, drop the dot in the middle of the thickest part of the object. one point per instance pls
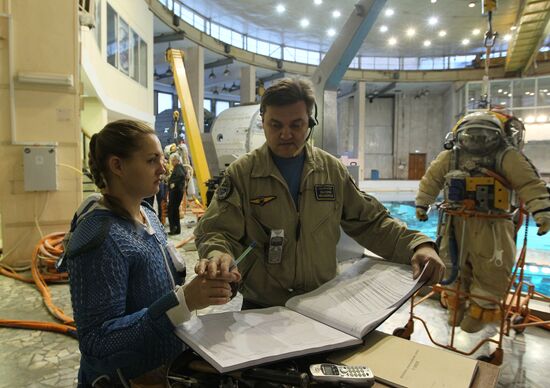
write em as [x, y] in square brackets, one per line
[538, 246]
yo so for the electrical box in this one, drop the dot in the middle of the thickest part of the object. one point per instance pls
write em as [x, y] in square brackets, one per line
[39, 165]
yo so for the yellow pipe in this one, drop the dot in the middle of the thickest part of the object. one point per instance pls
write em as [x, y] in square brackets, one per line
[175, 58]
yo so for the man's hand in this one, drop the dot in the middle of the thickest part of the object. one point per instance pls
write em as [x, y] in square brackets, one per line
[542, 220]
[425, 255]
[219, 266]
[202, 292]
[421, 213]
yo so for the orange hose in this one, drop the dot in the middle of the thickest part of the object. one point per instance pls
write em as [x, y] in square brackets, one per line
[44, 257]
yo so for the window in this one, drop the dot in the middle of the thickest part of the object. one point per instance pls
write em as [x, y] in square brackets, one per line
[199, 23]
[123, 46]
[410, 63]
[313, 57]
[111, 36]
[275, 51]
[97, 28]
[164, 101]
[207, 104]
[236, 39]
[354, 63]
[301, 56]
[263, 47]
[126, 50]
[143, 62]
[289, 54]
[251, 44]
[221, 106]
[186, 15]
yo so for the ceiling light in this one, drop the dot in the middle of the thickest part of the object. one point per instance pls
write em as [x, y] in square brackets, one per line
[465, 41]
[526, 93]
[215, 92]
[331, 32]
[233, 87]
[475, 31]
[304, 23]
[541, 118]
[472, 4]
[410, 32]
[280, 8]
[507, 37]
[317, 2]
[514, 27]
[392, 41]
[224, 89]
[383, 28]
[427, 43]
[226, 72]
[432, 21]
[548, 94]
[433, 1]
[336, 14]
[212, 75]
[389, 12]
[442, 33]
[499, 91]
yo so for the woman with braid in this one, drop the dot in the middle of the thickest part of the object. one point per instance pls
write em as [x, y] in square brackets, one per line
[125, 278]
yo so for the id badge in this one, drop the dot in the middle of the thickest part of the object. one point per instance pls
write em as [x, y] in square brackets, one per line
[176, 258]
[275, 251]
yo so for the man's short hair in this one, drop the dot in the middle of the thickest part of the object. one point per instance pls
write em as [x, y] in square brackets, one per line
[289, 91]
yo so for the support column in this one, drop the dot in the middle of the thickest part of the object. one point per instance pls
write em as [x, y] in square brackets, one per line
[359, 134]
[194, 67]
[248, 84]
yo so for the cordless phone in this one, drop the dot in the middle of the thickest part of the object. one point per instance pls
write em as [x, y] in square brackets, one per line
[352, 375]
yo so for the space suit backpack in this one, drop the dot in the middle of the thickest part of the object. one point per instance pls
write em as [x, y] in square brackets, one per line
[478, 143]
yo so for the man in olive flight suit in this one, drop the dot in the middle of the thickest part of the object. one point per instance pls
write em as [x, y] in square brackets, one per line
[478, 173]
[290, 199]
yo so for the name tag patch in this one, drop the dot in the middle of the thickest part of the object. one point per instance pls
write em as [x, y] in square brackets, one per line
[262, 200]
[324, 192]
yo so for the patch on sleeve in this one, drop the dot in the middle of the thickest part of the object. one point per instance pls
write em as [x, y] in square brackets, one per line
[224, 189]
[325, 192]
[262, 200]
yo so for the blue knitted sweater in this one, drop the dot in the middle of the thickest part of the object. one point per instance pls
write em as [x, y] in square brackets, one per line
[121, 281]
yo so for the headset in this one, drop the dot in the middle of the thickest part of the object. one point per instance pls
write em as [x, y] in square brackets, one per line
[312, 122]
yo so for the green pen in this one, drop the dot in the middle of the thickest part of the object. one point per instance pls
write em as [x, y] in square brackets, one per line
[243, 255]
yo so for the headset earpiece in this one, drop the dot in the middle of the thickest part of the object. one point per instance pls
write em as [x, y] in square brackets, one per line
[312, 122]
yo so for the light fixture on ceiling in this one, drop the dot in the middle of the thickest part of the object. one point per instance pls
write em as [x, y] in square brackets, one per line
[432, 21]
[215, 91]
[427, 43]
[392, 41]
[224, 89]
[389, 12]
[317, 2]
[472, 4]
[212, 75]
[383, 28]
[507, 37]
[442, 33]
[336, 14]
[280, 8]
[433, 1]
[476, 31]
[465, 41]
[226, 72]
[331, 32]
[304, 23]
[410, 32]
[169, 72]
[233, 87]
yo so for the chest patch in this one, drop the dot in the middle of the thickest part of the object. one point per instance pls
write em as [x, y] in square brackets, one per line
[262, 200]
[324, 192]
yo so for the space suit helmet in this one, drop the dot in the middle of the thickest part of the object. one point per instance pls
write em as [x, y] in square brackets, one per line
[480, 133]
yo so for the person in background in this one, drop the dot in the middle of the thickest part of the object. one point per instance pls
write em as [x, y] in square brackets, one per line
[291, 199]
[125, 278]
[176, 188]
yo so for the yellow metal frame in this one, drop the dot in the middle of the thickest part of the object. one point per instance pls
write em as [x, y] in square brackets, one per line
[175, 58]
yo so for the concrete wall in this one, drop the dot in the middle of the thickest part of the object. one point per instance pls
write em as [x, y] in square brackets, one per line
[420, 128]
[379, 138]
[539, 153]
[44, 39]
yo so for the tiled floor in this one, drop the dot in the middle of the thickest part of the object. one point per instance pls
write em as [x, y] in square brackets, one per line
[41, 359]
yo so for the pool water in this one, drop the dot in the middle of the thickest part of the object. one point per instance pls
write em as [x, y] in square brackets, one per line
[536, 274]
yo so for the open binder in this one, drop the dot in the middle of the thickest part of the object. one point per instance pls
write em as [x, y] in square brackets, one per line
[336, 315]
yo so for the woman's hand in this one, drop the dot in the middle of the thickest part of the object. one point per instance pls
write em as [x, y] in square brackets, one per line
[202, 292]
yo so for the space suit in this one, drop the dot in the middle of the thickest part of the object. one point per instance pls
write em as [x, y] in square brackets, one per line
[481, 172]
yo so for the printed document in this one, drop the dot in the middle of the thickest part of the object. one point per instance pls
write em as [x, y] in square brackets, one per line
[338, 314]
